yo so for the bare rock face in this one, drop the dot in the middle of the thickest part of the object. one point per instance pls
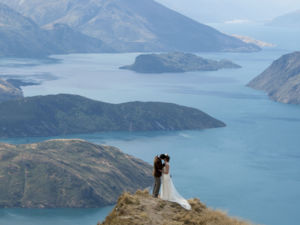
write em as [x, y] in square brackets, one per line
[142, 208]
[67, 173]
[281, 80]
[8, 91]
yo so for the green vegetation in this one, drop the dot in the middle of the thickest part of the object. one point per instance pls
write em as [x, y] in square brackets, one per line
[67, 173]
[176, 62]
[70, 114]
[142, 208]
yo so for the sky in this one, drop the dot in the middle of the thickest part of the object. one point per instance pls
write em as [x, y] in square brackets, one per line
[211, 11]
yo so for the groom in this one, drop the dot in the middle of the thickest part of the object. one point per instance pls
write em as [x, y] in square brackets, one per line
[157, 172]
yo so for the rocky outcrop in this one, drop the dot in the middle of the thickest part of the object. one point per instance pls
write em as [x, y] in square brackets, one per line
[141, 208]
[67, 173]
[177, 63]
[281, 80]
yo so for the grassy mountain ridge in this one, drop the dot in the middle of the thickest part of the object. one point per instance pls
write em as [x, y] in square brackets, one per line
[53, 115]
[142, 208]
[131, 25]
[67, 173]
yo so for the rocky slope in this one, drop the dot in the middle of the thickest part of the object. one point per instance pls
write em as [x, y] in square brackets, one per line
[69, 114]
[67, 173]
[176, 62]
[9, 91]
[281, 80]
[288, 20]
[131, 25]
[21, 37]
[141, 208]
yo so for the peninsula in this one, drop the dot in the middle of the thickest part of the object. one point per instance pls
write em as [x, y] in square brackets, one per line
[281, 80]
[62, 114]
[67, 174]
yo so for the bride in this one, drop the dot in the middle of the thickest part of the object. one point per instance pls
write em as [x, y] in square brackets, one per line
[168, 190]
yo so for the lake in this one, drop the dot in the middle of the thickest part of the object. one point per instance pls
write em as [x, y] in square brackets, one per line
[250, 168]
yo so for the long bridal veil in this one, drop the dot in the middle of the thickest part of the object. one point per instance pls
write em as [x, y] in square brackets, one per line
[169, 192]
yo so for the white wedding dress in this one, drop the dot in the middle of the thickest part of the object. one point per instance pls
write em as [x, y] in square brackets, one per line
[168, 191]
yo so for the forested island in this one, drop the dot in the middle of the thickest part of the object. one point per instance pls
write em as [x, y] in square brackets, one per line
[176, 62]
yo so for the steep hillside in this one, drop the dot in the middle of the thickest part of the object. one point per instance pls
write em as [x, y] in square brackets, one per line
[67, 173]
[70, 114]
[142, 208]
[281, 80]
[131, 25]
[21, 37]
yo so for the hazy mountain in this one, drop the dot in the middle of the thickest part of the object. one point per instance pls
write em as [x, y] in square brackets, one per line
[9, 91]
[67, 173]
[281, 80]
[54, 115]
[131, 25]
[287, 20]
[142, 208]
[176, 62]
[21, 37]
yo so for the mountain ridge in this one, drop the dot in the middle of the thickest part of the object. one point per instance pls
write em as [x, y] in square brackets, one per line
[131, 25]
[22, 37]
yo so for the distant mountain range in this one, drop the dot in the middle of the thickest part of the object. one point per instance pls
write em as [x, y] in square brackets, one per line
[176, 62]
[9, 92]
[281, 80]
[21, 37]
[287, 20]
[67, 174]
[54, 115]
[129, 25]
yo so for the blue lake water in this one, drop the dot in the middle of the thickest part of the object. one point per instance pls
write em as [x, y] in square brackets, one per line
[251, 168]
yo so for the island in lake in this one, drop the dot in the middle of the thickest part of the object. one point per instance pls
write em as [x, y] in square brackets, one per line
[142, 208]
[62, 114]
[176, 63]
[281, 80]
[67, 174]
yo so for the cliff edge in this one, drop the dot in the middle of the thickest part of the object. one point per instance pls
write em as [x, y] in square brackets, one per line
[142, 208]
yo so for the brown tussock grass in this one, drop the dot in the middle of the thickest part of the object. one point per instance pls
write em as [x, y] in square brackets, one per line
[142, 209]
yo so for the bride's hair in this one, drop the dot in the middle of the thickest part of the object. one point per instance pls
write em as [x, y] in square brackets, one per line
[167, 158]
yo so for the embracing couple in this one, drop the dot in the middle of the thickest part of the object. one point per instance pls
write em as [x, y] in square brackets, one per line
[163, 181]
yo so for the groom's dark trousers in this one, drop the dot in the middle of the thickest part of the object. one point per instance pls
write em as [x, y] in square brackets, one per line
[157, 183]
[157, 168]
